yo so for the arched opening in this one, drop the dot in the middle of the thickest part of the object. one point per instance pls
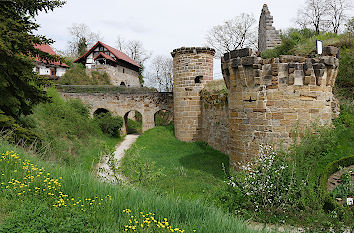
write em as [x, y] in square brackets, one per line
[198, 79]
[163, 117]
[133, 121]
[100, 111]
[122, 84]
[110, 124]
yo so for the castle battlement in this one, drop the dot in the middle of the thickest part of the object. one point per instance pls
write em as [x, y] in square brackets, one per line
[253, 71]
[269, 98]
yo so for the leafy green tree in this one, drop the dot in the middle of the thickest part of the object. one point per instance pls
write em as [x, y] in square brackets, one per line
[20, 87]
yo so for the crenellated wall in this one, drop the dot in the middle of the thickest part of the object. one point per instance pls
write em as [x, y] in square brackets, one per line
[269, 98]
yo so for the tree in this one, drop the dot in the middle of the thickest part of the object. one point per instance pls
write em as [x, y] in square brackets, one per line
[82, 46]
[81, 34]
[235, 33]
[134, 49]
[20, 87]
[313, 15]
[161, 73]
[349, 26]
[336, 13]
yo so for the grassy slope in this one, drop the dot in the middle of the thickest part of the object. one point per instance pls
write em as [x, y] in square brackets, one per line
[70, 135]
[29, 213]
[186, 169]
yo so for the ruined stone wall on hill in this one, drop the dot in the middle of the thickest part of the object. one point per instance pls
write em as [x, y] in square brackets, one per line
[269, 98]
[268, 36]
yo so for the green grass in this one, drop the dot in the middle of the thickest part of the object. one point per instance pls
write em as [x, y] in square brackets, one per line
[69, 134]
[35, 212]
[192, 170]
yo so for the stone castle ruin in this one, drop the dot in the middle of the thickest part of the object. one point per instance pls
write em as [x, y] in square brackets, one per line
[267, 98]
[268, 37]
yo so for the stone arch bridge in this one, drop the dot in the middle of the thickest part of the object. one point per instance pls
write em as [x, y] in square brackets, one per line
[123, 103]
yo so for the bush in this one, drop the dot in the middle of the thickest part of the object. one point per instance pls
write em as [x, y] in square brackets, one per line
[12, 132]
[345, 81]
[65, 126]
[329, 202]
[290, 39]
[109, 124]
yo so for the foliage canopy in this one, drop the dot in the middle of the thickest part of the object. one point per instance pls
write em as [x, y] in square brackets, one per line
[20, 87]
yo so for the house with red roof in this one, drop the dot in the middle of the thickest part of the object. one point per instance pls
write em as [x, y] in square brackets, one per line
[122, 69]
[52, 69]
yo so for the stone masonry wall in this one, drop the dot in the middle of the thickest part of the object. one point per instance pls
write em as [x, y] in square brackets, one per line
[269, 98]
[193, 67]
[119, 74]
[268, 37]
[122, 103]
[215, 123]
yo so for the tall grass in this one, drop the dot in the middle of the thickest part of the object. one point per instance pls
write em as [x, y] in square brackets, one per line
[31, 213]
[160, 162]
[69, 135]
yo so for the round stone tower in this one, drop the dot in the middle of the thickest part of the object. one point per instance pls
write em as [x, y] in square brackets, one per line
[192, 69]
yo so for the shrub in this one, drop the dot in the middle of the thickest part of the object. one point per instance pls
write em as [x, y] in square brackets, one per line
[345, 82]
[109, 124]
[13, 132]
[64, 125]
[77, 75]
[265, 183]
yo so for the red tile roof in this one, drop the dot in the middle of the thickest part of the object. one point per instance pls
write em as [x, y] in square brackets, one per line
[118, 54]
[105, 56]
[46, 48]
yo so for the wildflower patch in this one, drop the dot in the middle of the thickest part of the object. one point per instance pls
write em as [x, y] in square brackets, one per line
[28, 179]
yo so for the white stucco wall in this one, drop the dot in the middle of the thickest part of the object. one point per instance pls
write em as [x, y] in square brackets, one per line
[43, 70]
[61, 71]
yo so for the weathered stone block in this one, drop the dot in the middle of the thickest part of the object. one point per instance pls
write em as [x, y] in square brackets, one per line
[330, 61]
[291, 59]
[236, 62]
[298, 77]
[330, 51]
[310, 80]
[245, 52]
[250, 60]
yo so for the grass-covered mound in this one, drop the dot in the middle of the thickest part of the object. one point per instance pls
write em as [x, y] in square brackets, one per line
[39, 197]
[160, 162]
[77, 75]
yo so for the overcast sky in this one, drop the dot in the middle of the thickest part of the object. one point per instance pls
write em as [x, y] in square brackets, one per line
[162, 25]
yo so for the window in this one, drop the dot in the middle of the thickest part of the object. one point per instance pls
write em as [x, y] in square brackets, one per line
[53, 71]
[198, 79]
[123, 70]
[122, 84]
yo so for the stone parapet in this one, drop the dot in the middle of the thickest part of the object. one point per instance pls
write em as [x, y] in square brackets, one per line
[269, 98]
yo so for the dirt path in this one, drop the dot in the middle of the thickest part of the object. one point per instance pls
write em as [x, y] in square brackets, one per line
[109, 163]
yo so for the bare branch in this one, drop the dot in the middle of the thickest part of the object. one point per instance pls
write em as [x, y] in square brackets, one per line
[235, 33]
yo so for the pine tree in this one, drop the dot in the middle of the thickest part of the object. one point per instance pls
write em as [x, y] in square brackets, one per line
[20, 87]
